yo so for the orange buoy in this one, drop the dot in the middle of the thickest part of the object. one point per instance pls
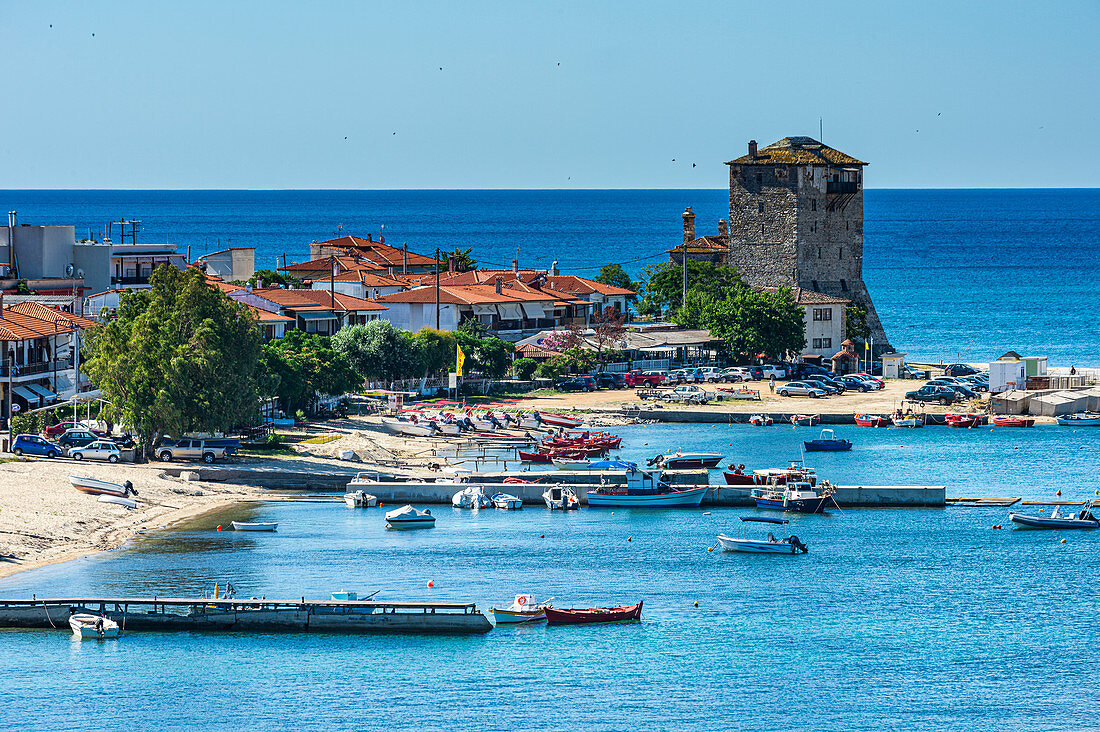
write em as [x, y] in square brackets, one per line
[542, 536]
[696, 603]
[1058, 492]
[710, 548]
[630, 538]
[219, 527]
[1063, 541]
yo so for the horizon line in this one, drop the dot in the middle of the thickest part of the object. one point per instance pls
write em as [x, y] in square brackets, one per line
[441, 190]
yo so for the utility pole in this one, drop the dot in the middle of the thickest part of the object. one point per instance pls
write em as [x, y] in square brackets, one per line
[332, 285]
[437, 288]
[683, 300]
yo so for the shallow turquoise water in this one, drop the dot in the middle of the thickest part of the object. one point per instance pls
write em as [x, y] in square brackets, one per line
[912, 619]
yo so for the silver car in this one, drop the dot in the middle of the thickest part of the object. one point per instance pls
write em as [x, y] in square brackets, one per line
[98, 450]
[801, 388]
[190, 450]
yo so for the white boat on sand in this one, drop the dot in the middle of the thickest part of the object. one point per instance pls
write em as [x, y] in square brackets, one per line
[408, 517]
[523, 609]
[768, 545]
[94, 486]
[560, 498]
[118, 500]
[408, 428]
[254, 526]
[86, 625]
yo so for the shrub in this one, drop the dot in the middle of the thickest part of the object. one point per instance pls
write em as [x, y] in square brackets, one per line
[524, 367]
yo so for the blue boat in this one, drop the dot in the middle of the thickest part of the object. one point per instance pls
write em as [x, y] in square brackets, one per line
[827, 442]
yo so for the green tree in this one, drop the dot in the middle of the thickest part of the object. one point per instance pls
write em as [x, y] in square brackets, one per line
[379, 351]
[749, 322]
[664, 283]
[491, 356]
[304, 365]
[461, 260]
[614, 275]
[855, 322]
[437, 349]
[178, 357]
[524, 367]
[268, 277]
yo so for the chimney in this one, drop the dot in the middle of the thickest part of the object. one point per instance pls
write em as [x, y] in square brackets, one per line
[752, 149]
[1, 304]
[689, 225]
[499, 284]
[368, 236]
[404, 259]
[515, 267]
[554, 269]
[722, 231]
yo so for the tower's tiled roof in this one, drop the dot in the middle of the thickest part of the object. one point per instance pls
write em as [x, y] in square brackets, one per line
[797, 151]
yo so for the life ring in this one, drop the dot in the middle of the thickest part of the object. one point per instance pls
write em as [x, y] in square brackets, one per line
[521, 600]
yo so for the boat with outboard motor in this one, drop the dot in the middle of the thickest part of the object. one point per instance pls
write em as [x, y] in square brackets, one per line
[472, 496]
[965, 420]
[909, 419]
[86, 625]
[561, 498]
[871, 420]
[94, 486]
[1009, 420]
[761, 420]
[1079, 419]
[524, 609]
[408, 428]
[360, 499]
[506, 501]
[408, 517]
[681, 460]
[736, 475]
[254, 525]
[827, 442]
[790, 544]
[805, 420]
[1084, 519]
[794, 495]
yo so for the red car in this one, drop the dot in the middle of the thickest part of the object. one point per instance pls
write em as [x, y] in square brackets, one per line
[638, 377]
[59, 429]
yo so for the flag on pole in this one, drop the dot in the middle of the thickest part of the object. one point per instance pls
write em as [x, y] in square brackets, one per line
[459, 360]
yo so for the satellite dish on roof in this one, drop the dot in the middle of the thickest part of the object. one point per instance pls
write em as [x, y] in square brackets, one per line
[68, 270]
[80, 273]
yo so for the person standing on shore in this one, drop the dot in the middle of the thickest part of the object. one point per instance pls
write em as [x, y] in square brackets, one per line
[771, 383]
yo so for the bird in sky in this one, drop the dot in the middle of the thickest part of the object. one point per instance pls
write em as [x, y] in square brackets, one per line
[693, 165]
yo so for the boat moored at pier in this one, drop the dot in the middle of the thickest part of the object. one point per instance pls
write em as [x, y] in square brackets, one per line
[827, 442]
[645, 489]
[1079, 419]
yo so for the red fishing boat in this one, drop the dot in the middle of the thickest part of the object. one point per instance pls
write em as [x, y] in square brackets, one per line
[573, 616]
[872, 420]
[736, 476]
[534, 457]
[1004, 420]
[964, 420]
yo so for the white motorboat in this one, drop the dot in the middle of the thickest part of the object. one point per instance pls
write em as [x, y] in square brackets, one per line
[685, 460]
[86, 625]
[1057, 520]
[408, 428]
[483, 423]
[408, 517]
[560, 498]
[761, 420]
[571, 464]
[507, 501]
[768, 545]
[254, 526]
[471, 497]
[908, 419]
[94, 486]
[117, 500]
[360, 499]
[524, 609]
[646, 489]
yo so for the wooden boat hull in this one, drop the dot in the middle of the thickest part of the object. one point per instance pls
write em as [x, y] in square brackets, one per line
[910, 422]
[1024, 521]
[739, 479]
[1013, 422]
[686, 463]
[687, 498]
[871, 420]
[798, 505]
[506, 617]
[827, 445]
[575, 616]
[805, 420]
[755, 546]
[408, 524]
[534, 457]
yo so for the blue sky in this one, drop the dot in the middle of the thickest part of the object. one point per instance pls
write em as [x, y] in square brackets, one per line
[541, 95]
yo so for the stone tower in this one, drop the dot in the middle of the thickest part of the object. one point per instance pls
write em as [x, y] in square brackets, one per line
[796, 219]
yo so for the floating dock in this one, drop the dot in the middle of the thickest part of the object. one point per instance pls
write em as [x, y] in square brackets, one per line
[250, 615]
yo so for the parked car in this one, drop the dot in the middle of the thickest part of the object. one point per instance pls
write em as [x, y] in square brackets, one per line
[830, 385]
[56, 430]
[688, 393]
[735, 374]
[856, 384]
[98, 450]
[709, 374]
[959, 369]
[776, 370]
[611, 380]
[977, 382]
[802, 388]
[879, 383]
[645, 378]
[577, 383]
[960, 389]
[933, 393]
[912, 372]
[803, 369]
[756, 371]
[77, 437]
[35, 445]
[186, 449]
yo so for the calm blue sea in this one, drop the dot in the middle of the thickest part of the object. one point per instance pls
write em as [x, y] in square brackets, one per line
[954, 273]
[921, 619]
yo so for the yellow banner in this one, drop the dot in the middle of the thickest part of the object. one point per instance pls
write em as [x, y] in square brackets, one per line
[459, 360]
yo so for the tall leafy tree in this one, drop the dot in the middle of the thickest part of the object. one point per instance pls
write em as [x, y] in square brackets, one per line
[491, 356]
[437, 350]
[461, 260]
[304, 365]
[379, 351]
[178, 357]
[613, 274]
[664, 283]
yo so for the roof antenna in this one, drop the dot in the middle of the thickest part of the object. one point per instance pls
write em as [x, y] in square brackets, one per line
[820, 135]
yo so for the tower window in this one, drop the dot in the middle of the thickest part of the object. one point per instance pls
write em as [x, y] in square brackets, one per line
[760, 207]
[813, 204]
[759, 178]
[819, 252]
[840, 253]
[844, 285]
[761, 228]
[846, 225]
[813, 284]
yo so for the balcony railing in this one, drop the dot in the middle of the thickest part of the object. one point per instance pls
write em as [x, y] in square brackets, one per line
[838, 186]
[33, 369]
[130, 280]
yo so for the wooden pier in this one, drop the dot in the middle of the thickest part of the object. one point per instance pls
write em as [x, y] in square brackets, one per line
[250, 615]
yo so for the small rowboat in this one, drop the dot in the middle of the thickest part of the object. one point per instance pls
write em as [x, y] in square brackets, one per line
[522, 610]
[872, 420]
[1080, 419]
[408, 429]
[737, 476]
[559, 420]
[94, 486]
[686, 460]
[254, 526]
[507, 501]
[908, 420]
[534, 457]
[86, 625]
[761, 420]
[574, 616]
[1003, 420]
[964, 420]
[806, 420]
[769, 545]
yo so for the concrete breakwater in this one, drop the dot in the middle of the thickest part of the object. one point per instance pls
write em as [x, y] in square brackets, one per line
[703, 415]
[258, 615]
